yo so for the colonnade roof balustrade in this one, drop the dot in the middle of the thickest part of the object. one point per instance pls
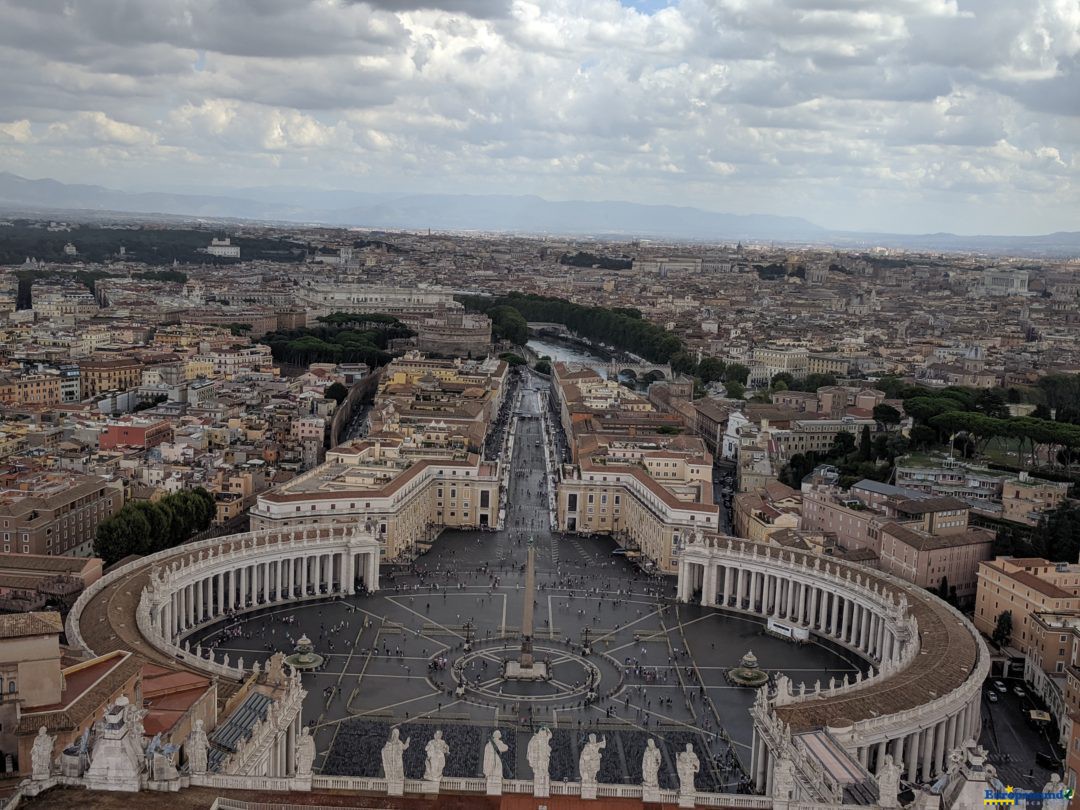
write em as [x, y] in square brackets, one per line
[104, 618]
[951, 654]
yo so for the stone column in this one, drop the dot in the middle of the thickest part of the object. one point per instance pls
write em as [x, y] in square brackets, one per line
[290, 748]
[815, 597]
[880, 756]
[372, 582]
[348, 576]
[708, 585]
[760, 766]
[913, 755]
[303, 576]
[199, 600]
[940, 751]
[729, 576]
[928, 750]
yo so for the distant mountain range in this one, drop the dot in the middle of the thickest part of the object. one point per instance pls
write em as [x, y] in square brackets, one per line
[502, 213]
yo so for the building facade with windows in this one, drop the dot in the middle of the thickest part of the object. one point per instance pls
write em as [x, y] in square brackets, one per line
[55, 513]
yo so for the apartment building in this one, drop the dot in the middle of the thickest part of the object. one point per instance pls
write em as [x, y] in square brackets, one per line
[100, 374]
[55, 513]
[134, 431]
[1025, 498]
[20, 390]
[762, 513]
[407, 500]
[633, 475]
[921, 538]
[1025, 586]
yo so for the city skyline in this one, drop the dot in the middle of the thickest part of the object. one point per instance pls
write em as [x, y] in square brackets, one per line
[912, 117]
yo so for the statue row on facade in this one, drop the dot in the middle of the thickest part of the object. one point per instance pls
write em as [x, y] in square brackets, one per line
[538, 755]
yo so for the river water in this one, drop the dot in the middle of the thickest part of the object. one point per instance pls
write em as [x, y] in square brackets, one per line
[567, 353]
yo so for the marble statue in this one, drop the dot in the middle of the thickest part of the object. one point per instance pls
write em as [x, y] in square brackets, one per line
[392, 761]
[1057, 787]
[687, 764]
[493, 764]
[41, 755]
[435, 757]
[589, 761]
[198, 748]
[305, 753]
[650, 765]
[888, 779]
[538, 755]
[784, 779]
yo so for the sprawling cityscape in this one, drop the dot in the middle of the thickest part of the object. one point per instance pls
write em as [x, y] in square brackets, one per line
[760, 509]
[390, 418]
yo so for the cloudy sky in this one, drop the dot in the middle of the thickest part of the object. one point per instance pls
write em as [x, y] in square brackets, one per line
[899, 115]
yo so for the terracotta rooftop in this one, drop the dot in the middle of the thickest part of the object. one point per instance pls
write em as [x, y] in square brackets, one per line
[87, 688]
[41, 623]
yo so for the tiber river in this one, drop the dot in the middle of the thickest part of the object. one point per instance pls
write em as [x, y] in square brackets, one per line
[567, 353]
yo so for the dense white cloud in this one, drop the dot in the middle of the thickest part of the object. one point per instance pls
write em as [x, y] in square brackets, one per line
[894, 114]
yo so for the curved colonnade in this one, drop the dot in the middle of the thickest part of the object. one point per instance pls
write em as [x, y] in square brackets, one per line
[922, 695]
[184, 589]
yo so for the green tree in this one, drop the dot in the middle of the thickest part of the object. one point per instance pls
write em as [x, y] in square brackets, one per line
[1003, 628]
[922, 436]
[736, 372]
[112, 541]
[543, 365]
[337, 392]
[157, 520]
[509, 325]
[512, 359]
[1059, 530]
[812, 382]
[784, 378]
[735, 389]
[711, 369]
[866, 447]
[887, 415]
[842, 444]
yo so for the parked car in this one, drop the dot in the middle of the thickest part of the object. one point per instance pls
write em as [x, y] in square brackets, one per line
[1019, 691]
[1000, 687]
[992, 697]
